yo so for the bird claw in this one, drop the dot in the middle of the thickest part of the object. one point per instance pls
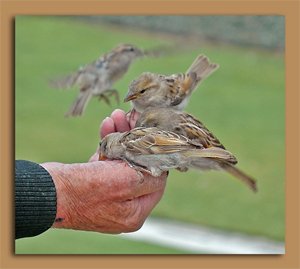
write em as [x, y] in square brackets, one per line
[182, 169]
[139, 170]
[108, 93]
[105, 99]
[116, 94]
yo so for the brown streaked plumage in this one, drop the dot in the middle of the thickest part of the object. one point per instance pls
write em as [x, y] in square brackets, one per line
[155, 90]
[179, 122]
[154, 151]
[98, 77]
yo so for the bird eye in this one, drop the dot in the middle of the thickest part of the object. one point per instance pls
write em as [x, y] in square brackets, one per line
[142, 91]
[103, 144]
[131, 49]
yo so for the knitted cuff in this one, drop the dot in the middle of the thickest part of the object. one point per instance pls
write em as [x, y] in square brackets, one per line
[35, 199]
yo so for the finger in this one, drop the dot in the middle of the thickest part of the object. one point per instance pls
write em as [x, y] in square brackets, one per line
[138, 209]
[107, 127]
[149, 201]
[120, 121]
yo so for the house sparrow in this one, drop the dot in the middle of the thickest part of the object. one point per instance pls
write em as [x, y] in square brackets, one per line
[154, 90]
[154, 151]
[98, 77]
[185, 125]
[180, 123]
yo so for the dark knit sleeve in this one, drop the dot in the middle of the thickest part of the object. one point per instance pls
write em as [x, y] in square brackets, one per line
[35, 199]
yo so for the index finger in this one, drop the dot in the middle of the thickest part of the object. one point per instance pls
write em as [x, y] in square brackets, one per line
[107, 127]
[120, 121]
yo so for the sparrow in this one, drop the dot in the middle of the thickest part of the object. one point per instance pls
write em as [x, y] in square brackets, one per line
[153, 150]
[179, 122]
[186, 125]
[174, 91]
[97, 78]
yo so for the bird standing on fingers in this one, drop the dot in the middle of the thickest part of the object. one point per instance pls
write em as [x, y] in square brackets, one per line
[188, 126]
[178, 122]
[98, 77]
[174, 91]
[154, 151]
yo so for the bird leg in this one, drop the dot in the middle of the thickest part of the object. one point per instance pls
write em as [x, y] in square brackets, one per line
[182, 169]
[132, 117]
[114, 92]
[129, 115]
[105, 98]
[138, 168]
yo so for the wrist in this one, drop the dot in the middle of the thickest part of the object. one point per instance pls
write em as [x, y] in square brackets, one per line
[61, 175]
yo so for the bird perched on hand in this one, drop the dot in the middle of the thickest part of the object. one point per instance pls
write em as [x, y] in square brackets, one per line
[154, 151]
[186, 125]
[155, 90]
[180, 123]
[98, 77]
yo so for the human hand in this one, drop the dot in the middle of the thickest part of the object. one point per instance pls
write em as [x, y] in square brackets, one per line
[107, 197]
[118, 121]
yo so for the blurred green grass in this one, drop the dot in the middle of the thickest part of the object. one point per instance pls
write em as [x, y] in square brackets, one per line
[70, 242]
[242, 103]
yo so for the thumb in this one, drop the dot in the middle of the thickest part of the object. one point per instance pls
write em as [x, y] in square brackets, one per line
[149, 201]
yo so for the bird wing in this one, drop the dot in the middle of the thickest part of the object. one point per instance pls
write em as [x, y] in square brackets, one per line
[180, 86]
[195, 130]
[213, 152]
[154, 141]
[83, 77]
[65, 82]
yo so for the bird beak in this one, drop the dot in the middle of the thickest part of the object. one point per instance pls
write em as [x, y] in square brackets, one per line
[102, 157]
[130, 97]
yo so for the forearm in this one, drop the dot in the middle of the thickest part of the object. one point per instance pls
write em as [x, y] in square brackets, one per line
[35, 199]
[69, 180]
[107, 197]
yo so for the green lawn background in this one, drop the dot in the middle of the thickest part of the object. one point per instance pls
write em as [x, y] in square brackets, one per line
[242, 103]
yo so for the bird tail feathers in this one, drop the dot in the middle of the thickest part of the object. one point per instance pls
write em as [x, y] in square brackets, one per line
[80, 103]
[218, 158]
[202, 67]
[212, 152]
[251, 183]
